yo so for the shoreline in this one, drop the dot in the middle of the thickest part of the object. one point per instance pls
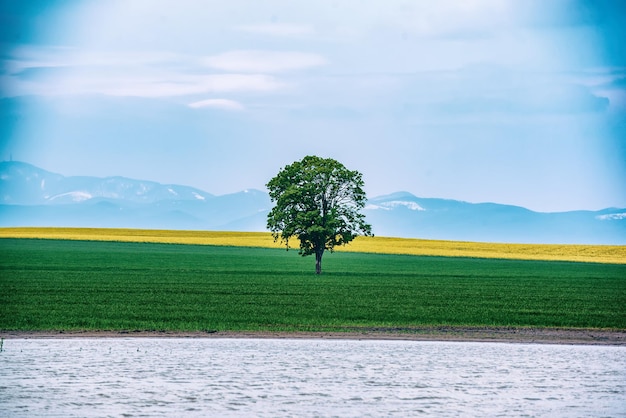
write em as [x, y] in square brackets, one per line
[563, 336]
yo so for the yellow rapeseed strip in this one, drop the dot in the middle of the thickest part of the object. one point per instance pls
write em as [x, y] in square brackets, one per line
[381, 245]
[235, 239]
[587, 253]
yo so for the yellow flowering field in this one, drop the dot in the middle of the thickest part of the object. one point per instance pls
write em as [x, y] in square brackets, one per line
[382, 245]
[587, 253]
[236, 239]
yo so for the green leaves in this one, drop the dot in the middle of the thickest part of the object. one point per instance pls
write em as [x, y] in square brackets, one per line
[317, 200]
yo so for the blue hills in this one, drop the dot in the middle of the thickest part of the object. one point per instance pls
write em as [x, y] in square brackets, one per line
[491, 222]
[31, 196]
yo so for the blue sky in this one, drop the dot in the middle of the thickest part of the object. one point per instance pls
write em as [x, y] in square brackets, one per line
[512, 101]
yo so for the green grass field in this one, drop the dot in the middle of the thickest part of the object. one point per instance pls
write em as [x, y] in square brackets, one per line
[86, 285]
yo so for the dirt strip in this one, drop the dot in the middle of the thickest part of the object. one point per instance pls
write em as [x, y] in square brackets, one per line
[482, 334]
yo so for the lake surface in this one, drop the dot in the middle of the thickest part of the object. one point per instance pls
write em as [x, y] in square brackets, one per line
[282, 377]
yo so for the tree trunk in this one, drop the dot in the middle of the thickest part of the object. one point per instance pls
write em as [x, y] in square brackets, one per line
[318, 261]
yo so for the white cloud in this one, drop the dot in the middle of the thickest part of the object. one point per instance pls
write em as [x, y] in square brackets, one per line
[234, 82]
[264, 61]
[181, 85]
[69, 71]
[277, 29]
[224, 104]
[159, 84]
[442, 18]
[25, 57]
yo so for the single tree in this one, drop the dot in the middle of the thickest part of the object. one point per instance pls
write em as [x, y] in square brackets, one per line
[318, 200]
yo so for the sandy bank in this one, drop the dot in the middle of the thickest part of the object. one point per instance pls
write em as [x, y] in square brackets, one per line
[479, 334]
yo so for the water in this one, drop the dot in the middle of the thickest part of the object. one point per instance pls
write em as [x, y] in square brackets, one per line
[265, 377]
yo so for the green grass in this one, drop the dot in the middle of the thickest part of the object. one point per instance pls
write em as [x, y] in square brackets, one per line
[80, 285]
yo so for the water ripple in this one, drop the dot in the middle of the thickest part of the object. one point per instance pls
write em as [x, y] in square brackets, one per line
[229, 377]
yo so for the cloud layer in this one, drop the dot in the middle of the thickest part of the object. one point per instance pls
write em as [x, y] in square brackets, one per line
[223, 104]
[512, 101]
[263, 61]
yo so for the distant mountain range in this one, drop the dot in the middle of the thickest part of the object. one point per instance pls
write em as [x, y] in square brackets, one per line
[31, 196]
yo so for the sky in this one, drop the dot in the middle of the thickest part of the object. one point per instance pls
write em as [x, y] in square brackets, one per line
[518, 102]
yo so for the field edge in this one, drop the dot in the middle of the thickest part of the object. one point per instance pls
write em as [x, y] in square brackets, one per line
[518, 335]
[608, 254]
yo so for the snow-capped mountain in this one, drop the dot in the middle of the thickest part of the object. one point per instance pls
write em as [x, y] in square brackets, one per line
[403, 214]
[25, 184]
[30, 196]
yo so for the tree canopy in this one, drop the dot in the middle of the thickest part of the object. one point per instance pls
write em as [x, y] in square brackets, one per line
[318, 201]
